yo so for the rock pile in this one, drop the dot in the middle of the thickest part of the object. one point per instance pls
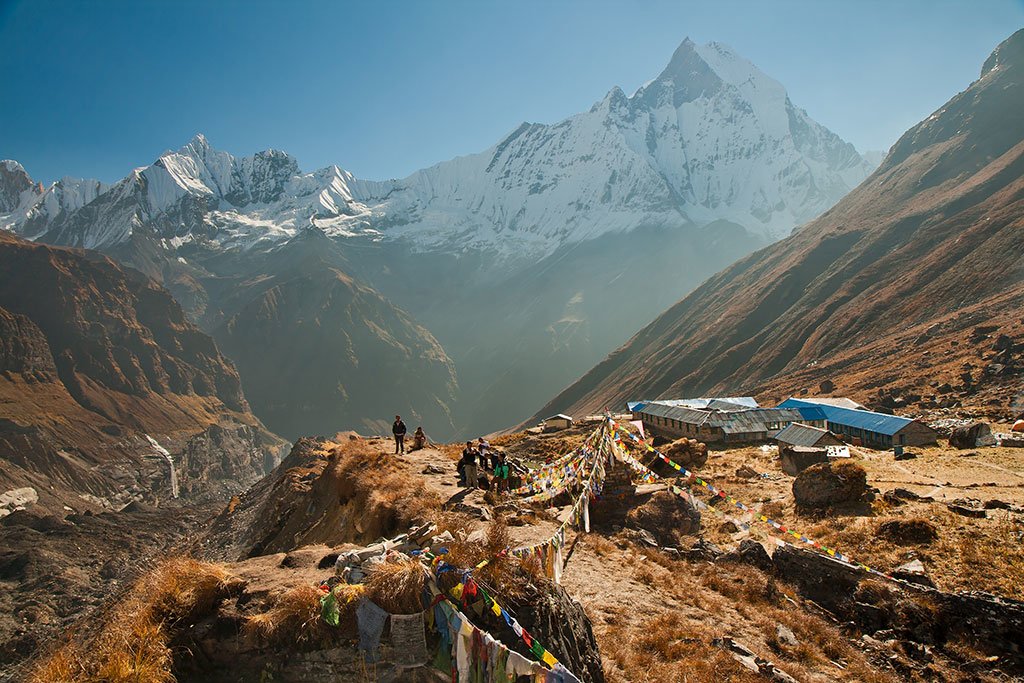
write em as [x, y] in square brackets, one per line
[689, 453]
[665, 516]
[831, 483]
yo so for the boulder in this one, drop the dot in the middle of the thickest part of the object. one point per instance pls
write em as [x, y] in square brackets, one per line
[703, 550]
[667, 516]
[914, 572]
[751, 553]
[966, 511]
[973, 435]
[560, 622]
[830, 483]
[747, 472]
[786, 636]
[899, 496]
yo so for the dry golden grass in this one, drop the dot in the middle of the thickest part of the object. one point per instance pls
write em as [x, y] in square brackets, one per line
[601, 545]
[669, 648]
[968, 553]
[503, 572]
[294, 619]
[130, 642]
[389, 497]
[691, 604]
[397, 587]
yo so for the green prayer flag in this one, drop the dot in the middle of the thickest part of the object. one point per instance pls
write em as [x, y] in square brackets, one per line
[329, 609]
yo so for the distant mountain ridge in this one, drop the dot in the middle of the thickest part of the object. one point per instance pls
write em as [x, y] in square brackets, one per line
[711, 138]
[896, 288]
[702, 165]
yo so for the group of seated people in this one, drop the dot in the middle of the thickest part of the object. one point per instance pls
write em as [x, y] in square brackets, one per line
[478, 459]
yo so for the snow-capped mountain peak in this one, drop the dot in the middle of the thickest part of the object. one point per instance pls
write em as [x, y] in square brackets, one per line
[711, 138]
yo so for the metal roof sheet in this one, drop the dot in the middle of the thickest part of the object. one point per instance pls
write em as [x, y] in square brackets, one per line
[687, 415]
[812, 413]
[745, 427]
[798, 434]
[755, 420]
[878, 423]
[723, 405]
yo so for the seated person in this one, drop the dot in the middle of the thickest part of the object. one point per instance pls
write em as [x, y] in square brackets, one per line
[419, 439]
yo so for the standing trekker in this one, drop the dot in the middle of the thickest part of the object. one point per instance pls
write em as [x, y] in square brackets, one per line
[398, 429]
[482, 447]
[419, 439]
[470, 478]
[501, 473]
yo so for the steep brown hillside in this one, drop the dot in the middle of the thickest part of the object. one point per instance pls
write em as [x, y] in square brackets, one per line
[319, 351]
[94, 358]
[898, 285]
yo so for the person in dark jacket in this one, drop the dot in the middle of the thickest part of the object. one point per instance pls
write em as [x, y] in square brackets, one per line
[470, 476]
[398, 429]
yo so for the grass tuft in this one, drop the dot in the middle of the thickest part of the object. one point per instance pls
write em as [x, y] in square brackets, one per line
[129, 644]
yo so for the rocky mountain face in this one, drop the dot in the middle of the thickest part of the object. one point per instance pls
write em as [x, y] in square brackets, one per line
[317, 348]
[102, 378]
[517, 259]
[898, 284]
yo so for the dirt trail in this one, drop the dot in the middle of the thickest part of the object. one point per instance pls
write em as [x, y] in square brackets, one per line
[435, 467]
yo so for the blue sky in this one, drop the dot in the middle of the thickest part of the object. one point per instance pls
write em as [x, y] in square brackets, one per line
[95, 88]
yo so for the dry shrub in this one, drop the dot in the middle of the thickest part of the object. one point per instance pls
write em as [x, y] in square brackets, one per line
[773, 510]
[392, 498]
[130, 642]
[503, 572]
[915, 530]
[397, 587]
[62, 665]
[183, 588]
[135, 651]
[601, 545]
[293, 619]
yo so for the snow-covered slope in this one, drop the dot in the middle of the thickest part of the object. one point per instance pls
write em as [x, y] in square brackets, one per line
[28, 207]
[711, 138]
[196, 191]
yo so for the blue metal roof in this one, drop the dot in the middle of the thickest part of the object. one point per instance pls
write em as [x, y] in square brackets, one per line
[812, 413]
[635, 406]
[879, 423]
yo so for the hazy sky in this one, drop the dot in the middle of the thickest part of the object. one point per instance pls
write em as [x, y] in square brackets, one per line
[384, 88]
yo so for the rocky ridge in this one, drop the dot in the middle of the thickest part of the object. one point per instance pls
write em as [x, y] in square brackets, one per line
[98, 368]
